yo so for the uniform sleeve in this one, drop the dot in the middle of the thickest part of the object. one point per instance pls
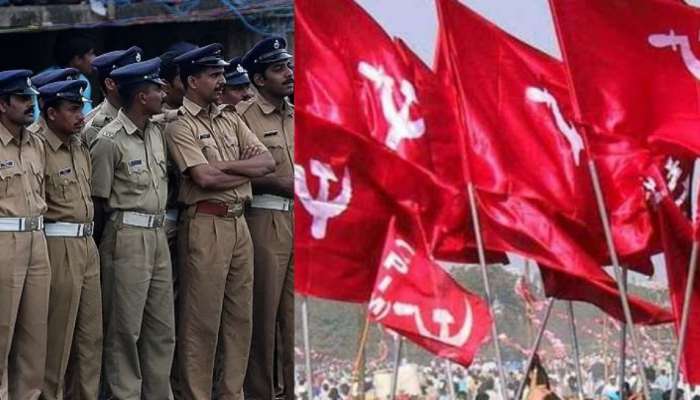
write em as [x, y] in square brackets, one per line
[104, 158]
[183, 147]
[246, 137]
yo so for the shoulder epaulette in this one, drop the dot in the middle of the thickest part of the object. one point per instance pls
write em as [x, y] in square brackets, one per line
[243, 106]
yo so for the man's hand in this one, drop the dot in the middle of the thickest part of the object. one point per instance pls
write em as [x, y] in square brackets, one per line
[251, 151]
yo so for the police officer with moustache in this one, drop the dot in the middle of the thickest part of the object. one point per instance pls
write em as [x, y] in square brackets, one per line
[237, 87]
[25, 275]
[75, 303]
[106, 111]
[130, 191]
[217, 155]
[271, 221]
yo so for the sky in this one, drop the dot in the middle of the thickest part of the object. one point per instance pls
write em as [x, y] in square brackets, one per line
[530, 21]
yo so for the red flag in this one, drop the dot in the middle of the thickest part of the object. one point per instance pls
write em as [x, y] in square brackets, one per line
[526, 159]
[385, 92]
[633, 67]
[523, 140]
[568, 272]
[348, 187]
[415, 297]
[365, 88]
[677, 235]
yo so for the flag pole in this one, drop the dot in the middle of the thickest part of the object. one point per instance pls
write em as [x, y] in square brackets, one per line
[618, 276]
[623, 349]
[684, 317]
[397, 359]
[535, 346]
[487, 286]
[307, 347]
[577, 358]
[450, 383]
[359, 368]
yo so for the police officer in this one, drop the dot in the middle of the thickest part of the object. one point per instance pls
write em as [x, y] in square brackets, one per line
[25, 275]
[75, 306]
[170, 73]
[270, 219]
[130, 188]
[106, 111]
[237, 87]
[217, 155]
[49, 76]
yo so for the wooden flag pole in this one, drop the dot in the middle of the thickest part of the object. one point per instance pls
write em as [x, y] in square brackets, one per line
[692, 269]
[535, 347]
[397, 361]
[577, 357]
[618, 275]
[307, 347]
[487, 287]
[450, 382]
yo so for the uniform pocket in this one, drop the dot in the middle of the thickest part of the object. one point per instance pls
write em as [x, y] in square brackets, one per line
[11, 182]
[63, 186]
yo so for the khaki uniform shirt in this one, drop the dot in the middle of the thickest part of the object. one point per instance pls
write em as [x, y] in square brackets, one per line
[67, 176]
[203, 135]
[21, 175]
[129, 167]
[102, 115]
[275, 129]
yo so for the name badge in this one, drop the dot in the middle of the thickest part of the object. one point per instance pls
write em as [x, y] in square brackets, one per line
[65, 171]
[135, 165]
[270, 133]
[204, 136]
[7, 164]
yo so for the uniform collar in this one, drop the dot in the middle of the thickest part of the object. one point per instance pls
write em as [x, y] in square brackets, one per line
[6, 136]
[129, 126]
[52, 138]
[194, 108]
[269, 108]
[109, 108]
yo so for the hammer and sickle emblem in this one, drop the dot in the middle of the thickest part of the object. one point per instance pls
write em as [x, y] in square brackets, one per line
[400, 124]
[321, 207]
[443, 318]
[567, 129]
[676, 42]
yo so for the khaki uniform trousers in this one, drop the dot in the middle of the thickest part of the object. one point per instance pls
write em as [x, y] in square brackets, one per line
[74, 353]
[25, 279]
[171, 233]
[216, 285]
[273, 304]
[138, 311]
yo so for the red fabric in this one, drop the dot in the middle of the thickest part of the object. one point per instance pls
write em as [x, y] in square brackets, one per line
[513, 139]
[533, 198]
[415, 297]
[341, 263]
[627, 81]
[677, 235]
[515, 224]
[334, 83]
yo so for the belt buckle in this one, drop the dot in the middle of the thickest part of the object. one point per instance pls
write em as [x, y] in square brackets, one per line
[88, 228]
[234, 210]
[158, 221]
[32, 224]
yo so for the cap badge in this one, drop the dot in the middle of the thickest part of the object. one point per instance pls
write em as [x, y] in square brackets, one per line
[138, 57]
[276, 45]
[240, 69]
[29, 82]
[81, 91]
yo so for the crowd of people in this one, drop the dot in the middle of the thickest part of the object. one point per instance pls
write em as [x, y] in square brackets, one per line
[334, 380]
